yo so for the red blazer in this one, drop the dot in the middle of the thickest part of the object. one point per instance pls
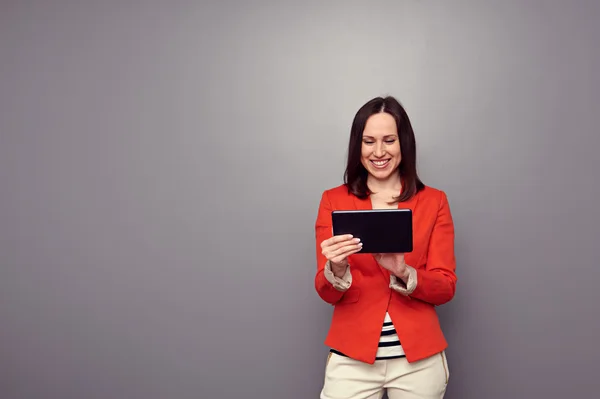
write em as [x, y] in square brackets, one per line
[359, 312]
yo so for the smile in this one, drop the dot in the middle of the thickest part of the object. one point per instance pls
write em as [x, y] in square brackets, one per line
[380, 164]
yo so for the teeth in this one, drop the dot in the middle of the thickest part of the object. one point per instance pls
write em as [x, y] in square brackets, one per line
[379, 163]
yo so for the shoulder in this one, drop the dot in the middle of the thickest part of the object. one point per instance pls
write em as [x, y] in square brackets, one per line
[337, 191]
[337, 197]
[429, 191]
[340, 195]
[432, 196]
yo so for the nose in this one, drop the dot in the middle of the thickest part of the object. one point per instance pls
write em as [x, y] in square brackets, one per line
[379, 150]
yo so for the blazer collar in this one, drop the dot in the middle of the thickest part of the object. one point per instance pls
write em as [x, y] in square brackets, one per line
[364, 204]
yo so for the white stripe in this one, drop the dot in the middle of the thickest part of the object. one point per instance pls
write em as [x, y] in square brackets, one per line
[388, 338]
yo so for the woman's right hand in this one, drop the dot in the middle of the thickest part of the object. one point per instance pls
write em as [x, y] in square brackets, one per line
[337, 249]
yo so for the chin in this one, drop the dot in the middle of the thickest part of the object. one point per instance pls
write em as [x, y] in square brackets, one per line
[382, 174]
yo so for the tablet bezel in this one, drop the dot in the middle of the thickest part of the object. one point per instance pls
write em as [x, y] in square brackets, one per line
[362, 222]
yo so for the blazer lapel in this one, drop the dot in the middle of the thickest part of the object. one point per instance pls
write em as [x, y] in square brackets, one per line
[362, 204]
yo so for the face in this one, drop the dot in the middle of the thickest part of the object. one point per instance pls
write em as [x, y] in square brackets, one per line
[380, 153]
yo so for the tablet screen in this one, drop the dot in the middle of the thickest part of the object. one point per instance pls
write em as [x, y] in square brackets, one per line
[380, 230]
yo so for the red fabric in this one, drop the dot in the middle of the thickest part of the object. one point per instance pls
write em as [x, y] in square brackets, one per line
[359, 312]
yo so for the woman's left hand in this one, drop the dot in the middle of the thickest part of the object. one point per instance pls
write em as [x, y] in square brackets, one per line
[394, 263]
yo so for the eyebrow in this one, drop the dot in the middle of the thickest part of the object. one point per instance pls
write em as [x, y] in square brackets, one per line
[386, 136]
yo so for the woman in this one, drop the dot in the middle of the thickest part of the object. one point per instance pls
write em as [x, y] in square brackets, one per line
[385, 333]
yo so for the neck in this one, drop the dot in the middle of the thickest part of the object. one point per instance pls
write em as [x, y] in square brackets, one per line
[391, 184]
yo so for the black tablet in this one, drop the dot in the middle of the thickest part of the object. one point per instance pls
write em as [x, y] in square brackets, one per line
[380, 230]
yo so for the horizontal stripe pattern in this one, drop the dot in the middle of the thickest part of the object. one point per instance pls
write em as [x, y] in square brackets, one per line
[389, 343]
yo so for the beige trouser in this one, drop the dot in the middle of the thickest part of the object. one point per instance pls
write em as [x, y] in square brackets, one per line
[346, 378]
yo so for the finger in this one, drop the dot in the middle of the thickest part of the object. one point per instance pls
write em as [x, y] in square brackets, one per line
[342, 252]
[340, 247]
[344, 243]
[337, 239]
[335, 250]
[345, 251]
[330, 246]
[343, 256]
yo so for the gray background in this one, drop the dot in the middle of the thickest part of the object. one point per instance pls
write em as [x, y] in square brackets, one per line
[161, 165]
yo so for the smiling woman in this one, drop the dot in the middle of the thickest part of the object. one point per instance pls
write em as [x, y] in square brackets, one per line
[380, 153]
[382, 149]
[385, 333]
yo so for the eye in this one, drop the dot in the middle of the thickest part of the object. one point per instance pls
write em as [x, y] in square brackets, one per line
[368, 142]
[390, 141]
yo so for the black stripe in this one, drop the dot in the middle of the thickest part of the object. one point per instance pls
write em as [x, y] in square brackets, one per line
[389, 332]
[389, 357]
[388, 323]
[391, 343]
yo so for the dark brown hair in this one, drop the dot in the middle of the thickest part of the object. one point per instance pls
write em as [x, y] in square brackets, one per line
[355, 176]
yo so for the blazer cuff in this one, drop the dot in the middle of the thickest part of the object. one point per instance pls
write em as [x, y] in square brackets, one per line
[340, 284]
[411, 284]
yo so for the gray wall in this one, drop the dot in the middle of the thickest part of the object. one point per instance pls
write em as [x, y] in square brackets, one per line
[158, 194]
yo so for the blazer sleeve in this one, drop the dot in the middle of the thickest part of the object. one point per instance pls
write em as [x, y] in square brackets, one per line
[324, 230]
[436, 282]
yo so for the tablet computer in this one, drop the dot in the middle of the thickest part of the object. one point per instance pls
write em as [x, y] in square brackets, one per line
[380, 230]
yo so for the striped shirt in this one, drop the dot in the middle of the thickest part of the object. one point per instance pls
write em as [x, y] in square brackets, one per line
[389, 344]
